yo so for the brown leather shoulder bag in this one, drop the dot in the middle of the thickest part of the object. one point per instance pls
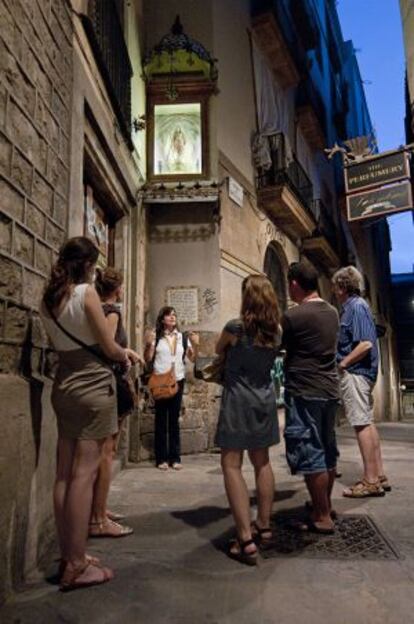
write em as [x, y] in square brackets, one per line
[164, 385]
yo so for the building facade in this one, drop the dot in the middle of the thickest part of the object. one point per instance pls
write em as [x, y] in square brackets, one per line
[285, 87]
[407, 17]
[403, 283]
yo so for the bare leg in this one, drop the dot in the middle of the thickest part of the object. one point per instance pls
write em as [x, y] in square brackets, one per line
[103, 482]
[64, 465]
[265, 485]
[331, 481]
[318, 484]
[377, 446]
[368, 451]
[237, 493]
[79, 498]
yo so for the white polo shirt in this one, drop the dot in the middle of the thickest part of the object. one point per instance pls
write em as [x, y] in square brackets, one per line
[164, 359]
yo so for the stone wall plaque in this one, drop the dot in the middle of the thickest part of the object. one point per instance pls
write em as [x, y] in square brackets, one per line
[236, 192]
[185, 300]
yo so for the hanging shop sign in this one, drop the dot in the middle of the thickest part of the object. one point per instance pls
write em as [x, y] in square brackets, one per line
[377, 171]
[381, 201]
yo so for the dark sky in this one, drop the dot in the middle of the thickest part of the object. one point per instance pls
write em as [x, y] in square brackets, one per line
[375, 28]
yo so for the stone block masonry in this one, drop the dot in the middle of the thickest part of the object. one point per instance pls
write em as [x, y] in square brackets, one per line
[35, 104]
[36, 77]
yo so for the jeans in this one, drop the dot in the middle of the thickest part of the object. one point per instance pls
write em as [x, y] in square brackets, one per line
[167, 428]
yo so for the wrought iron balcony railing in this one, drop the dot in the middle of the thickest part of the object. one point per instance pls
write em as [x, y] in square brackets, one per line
[284, 171]
[105, 34]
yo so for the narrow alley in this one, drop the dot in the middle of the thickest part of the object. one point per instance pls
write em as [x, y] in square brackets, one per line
[173, 568]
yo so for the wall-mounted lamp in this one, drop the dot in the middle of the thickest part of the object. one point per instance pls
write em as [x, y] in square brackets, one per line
[139, 123]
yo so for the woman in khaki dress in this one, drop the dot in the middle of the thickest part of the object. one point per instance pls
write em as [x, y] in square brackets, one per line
[84, 399]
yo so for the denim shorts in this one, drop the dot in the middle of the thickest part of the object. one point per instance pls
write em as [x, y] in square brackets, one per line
[310, 434]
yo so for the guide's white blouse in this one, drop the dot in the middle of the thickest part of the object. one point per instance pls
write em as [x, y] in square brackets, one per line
[164, 359]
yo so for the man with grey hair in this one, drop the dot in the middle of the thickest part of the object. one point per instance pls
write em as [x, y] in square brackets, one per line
[357, 359]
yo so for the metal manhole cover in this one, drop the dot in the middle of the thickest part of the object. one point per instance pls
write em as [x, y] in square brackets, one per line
[356, 537]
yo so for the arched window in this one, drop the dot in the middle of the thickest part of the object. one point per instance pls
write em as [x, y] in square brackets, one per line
[275, 267]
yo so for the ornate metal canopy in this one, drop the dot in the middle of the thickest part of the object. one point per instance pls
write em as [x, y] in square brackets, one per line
[176, 54]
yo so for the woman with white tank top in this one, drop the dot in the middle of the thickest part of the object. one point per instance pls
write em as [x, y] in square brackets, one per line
[84, 399]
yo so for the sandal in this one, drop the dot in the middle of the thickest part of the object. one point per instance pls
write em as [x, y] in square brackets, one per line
[162, 466]
[114, 515]
[385, 484]
[177, 466]
[364, 489]
[308, 526]
[241, 555]
[63, 563]
[262, 537]
[72, 579]
[109, 528]
[309, 509]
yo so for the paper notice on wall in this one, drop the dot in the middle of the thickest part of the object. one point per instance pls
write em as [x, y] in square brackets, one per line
[185, 301]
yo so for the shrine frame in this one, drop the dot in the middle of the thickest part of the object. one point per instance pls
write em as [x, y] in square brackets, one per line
[188, 93]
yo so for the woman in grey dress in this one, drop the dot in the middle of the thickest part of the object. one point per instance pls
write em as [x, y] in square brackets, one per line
[248, 415]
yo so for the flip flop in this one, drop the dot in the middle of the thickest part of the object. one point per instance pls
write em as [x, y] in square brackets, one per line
[309, 508]
[308, 526]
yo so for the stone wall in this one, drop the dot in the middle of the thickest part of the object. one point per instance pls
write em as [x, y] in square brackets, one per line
[35, 103]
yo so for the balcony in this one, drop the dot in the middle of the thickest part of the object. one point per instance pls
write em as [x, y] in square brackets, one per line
[276, 36]
[106, 37]
[322, 246]
[285, 191]
[311, 114]
[305, 22]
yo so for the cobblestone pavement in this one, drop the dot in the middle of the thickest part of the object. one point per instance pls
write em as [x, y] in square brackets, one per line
[172, 570]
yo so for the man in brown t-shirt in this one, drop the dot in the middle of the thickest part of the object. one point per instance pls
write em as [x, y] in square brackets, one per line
[310, 332]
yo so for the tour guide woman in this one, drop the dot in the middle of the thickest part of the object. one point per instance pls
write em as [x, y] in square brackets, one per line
[165, 347]
[84, 399]
[248, 414]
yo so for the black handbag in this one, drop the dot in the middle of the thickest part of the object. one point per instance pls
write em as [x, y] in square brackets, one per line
[127, 398]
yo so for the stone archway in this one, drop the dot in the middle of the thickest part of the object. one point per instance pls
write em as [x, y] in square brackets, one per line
[275, 266]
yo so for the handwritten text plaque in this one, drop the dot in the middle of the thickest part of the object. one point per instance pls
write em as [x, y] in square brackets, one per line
[185, 300]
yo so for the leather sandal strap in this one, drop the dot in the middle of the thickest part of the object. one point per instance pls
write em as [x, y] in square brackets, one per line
[244, 544]
[259, 530]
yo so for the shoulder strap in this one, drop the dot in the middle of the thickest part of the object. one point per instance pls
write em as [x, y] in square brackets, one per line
[185, 344]
[75, 339]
